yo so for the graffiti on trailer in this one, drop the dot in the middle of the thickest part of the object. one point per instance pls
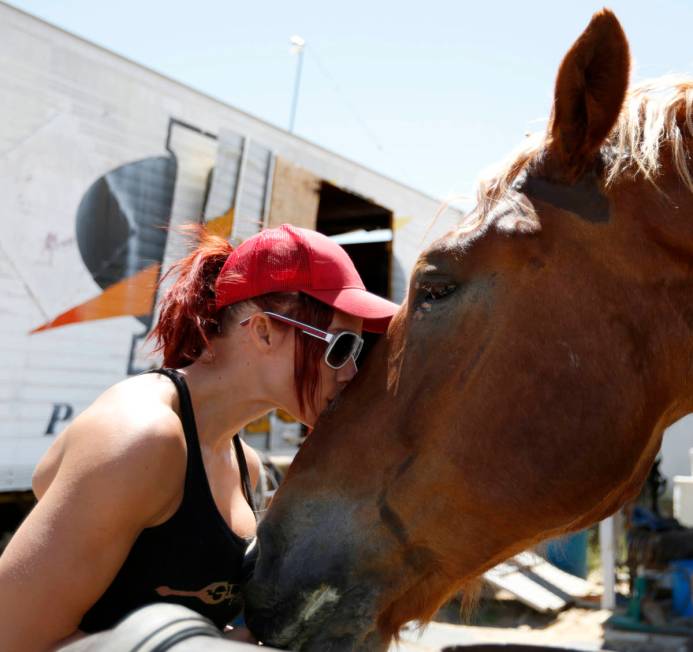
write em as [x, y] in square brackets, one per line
[121, 231]
[121, 228]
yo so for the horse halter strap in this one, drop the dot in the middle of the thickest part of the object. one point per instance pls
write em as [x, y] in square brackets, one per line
[584, 198]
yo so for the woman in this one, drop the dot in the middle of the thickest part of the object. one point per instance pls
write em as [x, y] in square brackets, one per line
[143, 498]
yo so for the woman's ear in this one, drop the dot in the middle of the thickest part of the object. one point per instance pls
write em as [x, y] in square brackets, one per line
[260, 330]
[590, 90]
[262, 333]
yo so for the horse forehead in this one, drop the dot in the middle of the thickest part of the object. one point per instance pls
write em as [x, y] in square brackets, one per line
[456, 246]
[450, 246]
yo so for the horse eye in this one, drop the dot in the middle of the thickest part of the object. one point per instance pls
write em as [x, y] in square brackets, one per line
[436, 290]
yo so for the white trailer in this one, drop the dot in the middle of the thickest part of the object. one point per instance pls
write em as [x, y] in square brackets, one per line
[97, 154]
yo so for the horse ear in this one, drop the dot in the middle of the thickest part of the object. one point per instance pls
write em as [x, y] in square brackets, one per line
[590, 89]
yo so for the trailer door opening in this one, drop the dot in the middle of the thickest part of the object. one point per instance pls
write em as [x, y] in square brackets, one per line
[364, 229]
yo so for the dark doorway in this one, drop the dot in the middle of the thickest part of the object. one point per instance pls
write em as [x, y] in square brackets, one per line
[369, 239]
[341, 212]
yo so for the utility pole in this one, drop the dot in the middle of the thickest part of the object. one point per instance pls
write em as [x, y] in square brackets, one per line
[297, 47]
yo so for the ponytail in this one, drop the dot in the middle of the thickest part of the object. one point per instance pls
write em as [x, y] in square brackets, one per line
[188, 317]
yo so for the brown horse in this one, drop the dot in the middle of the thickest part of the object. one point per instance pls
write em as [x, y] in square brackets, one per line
[522, 389]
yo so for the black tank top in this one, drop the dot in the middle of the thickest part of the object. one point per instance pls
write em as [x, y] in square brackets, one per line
[193, 559]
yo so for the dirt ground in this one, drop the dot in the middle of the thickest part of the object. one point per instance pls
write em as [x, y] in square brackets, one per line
[575, 628]
[508, 621]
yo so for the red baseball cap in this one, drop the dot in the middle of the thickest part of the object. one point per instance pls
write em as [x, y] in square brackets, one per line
[292, 259]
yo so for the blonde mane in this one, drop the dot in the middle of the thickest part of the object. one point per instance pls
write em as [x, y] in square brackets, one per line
[655, 113]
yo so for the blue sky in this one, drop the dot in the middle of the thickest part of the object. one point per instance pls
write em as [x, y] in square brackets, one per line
[429, 93]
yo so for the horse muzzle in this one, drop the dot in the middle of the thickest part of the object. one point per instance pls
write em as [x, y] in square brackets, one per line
[318, 619]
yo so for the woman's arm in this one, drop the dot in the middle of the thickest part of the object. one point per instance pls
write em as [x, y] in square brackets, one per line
[114, 479]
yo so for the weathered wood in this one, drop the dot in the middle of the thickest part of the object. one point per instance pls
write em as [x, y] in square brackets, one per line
[295, 196]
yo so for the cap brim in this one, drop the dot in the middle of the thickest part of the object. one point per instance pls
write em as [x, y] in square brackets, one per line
[375, 311]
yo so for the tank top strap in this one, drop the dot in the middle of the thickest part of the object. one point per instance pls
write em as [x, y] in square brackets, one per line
[245, 474]
[192, 440]
[187, 416]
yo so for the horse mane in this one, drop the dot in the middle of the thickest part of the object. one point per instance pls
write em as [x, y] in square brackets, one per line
[655, 113]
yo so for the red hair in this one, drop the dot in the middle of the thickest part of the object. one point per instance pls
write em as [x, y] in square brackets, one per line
[189, 320]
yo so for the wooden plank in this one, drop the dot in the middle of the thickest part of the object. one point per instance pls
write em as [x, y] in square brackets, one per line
[511, 577]
[538, 583]
[570, 585]
[295, 196]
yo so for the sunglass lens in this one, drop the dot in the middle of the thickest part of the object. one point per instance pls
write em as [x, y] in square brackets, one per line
[343, 347]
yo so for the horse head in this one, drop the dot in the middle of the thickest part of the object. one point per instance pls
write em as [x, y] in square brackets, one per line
[523, 387]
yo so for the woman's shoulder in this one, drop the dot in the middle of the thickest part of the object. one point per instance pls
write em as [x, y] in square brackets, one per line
[131, 433]
[135, 415]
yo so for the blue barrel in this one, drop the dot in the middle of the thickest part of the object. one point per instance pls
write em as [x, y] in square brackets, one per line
[681, 573]
[569, 553]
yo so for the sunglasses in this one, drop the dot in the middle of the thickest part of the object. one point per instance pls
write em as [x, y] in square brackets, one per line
[341, 347]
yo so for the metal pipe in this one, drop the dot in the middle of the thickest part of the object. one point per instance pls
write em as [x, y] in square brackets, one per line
[298, 45]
